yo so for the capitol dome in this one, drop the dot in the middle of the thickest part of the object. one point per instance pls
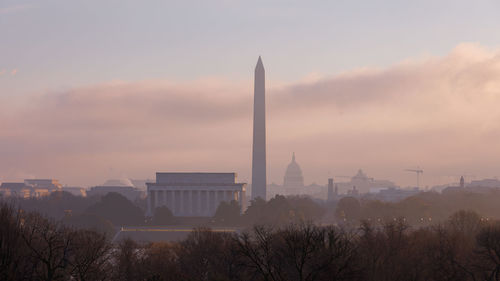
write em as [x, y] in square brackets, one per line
[293, 175]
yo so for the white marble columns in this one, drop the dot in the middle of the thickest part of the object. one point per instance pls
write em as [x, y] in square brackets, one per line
[191, 202]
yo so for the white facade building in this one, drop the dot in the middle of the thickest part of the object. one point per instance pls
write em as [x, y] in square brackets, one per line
[193, 194]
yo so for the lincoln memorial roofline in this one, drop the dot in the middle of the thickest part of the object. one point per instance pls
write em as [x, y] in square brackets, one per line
[194, 178]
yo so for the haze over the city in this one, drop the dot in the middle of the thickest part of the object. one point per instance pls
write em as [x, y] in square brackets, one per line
[92, 90]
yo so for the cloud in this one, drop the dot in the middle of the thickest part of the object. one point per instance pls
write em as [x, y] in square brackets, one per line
[439, 112]
[15, 8]
[14, 71]
[2, 72]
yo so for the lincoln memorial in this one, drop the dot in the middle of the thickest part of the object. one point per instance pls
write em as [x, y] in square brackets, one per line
[193, 194]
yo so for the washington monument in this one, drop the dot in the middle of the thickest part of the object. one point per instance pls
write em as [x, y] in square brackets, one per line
[259, 133]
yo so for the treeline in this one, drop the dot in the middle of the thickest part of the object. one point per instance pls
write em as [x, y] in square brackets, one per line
[109, 212]
[106, 213]
[463, 248]
[423, 209]
[103, 214]
[279, 210]
[33, 247]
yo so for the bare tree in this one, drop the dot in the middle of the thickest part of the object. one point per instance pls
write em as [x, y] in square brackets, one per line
[161, 262]
[488, 243]
[299, 252]
[209, 255]
[316, 253]
[49, 247]
[12, 248]
[128, 260]
[90, 256]
[259, 254]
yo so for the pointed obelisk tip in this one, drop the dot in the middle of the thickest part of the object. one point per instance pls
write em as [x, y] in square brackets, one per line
[259, 62]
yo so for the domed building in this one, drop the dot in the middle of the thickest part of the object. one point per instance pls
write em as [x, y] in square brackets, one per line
[122, 186]
[293, 175]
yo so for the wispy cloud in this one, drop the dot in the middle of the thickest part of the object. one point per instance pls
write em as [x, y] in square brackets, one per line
[14, 71]
[16, 8]
[2, 72]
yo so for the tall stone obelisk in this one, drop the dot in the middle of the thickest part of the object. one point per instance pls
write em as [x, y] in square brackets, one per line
[259, 133]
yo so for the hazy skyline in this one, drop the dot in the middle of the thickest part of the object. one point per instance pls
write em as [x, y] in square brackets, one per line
[92, 90]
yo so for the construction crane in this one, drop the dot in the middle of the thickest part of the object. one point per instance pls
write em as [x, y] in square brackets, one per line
[418, 171]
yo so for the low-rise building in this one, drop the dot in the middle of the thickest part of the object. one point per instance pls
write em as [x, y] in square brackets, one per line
[15, 189]
[49, 184]
[193, 194]
[30, 188]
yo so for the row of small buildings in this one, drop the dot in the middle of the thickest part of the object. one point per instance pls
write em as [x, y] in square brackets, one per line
[29, 188]
[185, 194]
[35, 188]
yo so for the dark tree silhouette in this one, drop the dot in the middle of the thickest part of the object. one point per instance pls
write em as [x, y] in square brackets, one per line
[348, 208]
[13, 252]
[117, 209]
[162, 216]
[49, 245]
[90, 256]
[228, 213]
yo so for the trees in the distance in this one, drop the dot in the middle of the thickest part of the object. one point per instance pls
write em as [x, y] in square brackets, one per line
[117, 209]
[228, 213]
[101, 213]
[90, 222]
[282, 210]
[422, 209]
[162, 216]
[56, 204]
[348, 209]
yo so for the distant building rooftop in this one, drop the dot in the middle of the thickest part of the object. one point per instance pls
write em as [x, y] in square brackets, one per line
[50, 184]
[13, 185]
[130, 192]
[195, 178]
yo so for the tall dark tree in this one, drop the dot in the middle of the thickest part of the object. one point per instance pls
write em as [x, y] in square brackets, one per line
[348, 209]
[117, 209]
[128, 260]
[208, 255]
[488, 243]
[49, 246]
[13, 251]
[90, 257]
[162, 216]
[228, 213]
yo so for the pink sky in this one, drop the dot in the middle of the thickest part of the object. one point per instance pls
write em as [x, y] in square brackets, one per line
[439, 113]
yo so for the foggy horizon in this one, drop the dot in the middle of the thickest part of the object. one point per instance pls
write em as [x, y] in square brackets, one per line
[97, 103]
[426, 109]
